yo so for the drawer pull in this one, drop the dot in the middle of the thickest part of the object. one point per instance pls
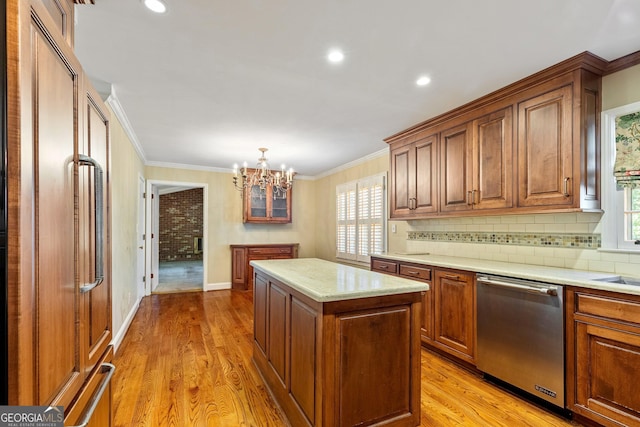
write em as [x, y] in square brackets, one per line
[451, 276]
[109, 370]
[383, 267]
[413, 273]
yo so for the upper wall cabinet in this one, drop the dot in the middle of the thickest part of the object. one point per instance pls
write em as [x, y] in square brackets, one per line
[414, 181]
[263, 206]
[532, 146]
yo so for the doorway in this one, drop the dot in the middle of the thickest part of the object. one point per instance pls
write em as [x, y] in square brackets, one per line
[177, 227]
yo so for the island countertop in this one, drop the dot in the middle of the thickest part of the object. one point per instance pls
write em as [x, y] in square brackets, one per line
[325, 281]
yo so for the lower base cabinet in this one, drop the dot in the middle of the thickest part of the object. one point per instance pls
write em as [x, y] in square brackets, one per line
[448, 320]
[603, 356]
[93, 406]
[454, 313]
[339, 363]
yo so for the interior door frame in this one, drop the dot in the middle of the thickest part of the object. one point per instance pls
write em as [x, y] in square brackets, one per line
[152, 214]
[141, 266]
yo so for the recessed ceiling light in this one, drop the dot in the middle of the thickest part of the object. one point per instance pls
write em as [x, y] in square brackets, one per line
[156, 6]
[335, 56]
[423, 81]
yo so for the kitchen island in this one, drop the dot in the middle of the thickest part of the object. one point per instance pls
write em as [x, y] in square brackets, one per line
[338, 345]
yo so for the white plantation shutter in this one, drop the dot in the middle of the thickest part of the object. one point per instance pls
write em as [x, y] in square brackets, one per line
[346, 221]
[361, 218]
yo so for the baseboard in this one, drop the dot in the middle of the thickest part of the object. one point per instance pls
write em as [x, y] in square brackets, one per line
[117, 340]
[216, 286]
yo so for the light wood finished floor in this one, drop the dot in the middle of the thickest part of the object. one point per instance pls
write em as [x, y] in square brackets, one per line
[186, 361]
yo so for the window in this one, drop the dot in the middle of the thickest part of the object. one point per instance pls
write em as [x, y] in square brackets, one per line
[621, 219]
[361, 218]
[631, 215]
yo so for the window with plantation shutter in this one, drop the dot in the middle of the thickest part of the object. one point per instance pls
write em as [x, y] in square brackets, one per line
[361, 219]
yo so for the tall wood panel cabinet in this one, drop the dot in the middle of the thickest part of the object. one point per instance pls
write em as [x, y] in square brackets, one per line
[58, 234]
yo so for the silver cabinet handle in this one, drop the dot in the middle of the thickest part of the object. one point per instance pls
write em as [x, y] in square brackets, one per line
[109, 369]
[99, 215]
[566, 187]
[551, 290]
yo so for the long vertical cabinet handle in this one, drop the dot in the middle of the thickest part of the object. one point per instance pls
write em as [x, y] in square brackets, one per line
[98, 184]
[566, 187]
[109, 370]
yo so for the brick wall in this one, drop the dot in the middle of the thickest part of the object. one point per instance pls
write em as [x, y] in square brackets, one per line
[180, 222]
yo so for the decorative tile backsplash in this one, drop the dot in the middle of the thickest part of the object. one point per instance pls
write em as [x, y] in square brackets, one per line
[558, 240]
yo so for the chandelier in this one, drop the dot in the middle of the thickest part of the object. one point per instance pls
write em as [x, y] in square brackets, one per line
[263, 177]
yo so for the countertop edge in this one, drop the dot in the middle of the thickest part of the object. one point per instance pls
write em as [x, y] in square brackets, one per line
[405, 286]
[554, 275]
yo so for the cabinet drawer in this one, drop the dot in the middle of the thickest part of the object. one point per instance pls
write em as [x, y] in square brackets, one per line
[270, 251]
[608, 307]
[384, 266]
[413, 272]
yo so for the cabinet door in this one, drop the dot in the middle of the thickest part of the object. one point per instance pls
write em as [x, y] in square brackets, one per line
[455, 174]
[454, 313]
[492, 161]
[402, 181]
[607, 373]
[97, 301]
[545, 150]
[426, 175]
[260, 312]
[426, 320]
[44, 320]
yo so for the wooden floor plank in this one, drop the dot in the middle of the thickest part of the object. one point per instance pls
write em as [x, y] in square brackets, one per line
[186, 361]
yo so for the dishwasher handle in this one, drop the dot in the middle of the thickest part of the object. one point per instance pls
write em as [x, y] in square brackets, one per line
[544, 290]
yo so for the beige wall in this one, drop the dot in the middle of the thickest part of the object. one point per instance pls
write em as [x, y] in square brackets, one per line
[126, 167]
[224, 223]
[326, 201]
[621, 88]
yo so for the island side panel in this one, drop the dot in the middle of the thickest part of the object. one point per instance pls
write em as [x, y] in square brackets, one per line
[374, 376]
[372, 365]
[316, 390]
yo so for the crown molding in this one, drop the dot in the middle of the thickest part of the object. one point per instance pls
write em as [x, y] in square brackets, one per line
[118, 110]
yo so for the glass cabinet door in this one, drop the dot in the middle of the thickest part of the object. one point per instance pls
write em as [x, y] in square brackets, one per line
[260, 206]
[258, 202]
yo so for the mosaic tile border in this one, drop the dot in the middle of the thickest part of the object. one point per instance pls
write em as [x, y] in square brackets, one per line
[575, 241]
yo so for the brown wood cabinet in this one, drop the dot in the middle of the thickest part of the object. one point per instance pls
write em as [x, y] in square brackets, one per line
[546, 159]
[456, 171]
[454, 319]
[260, 206]
[603, 356]
[492, 161]
[340, 363]
[448, 320]
[242, 255]
[414, 168]
[59, 229]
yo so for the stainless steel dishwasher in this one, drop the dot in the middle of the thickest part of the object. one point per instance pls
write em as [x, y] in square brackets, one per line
[521, 334]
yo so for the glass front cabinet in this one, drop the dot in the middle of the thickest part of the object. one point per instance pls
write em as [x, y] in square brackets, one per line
[263, 206]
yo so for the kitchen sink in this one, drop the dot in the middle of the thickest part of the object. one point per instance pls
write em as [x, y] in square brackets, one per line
[621, 280]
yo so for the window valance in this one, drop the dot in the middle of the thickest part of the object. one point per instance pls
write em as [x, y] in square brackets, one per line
[627, 164]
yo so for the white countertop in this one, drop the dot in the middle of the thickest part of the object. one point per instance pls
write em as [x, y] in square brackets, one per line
[325, 281]
[560, 276]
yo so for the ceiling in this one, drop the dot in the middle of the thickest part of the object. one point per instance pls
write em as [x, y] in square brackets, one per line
[209, 82]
